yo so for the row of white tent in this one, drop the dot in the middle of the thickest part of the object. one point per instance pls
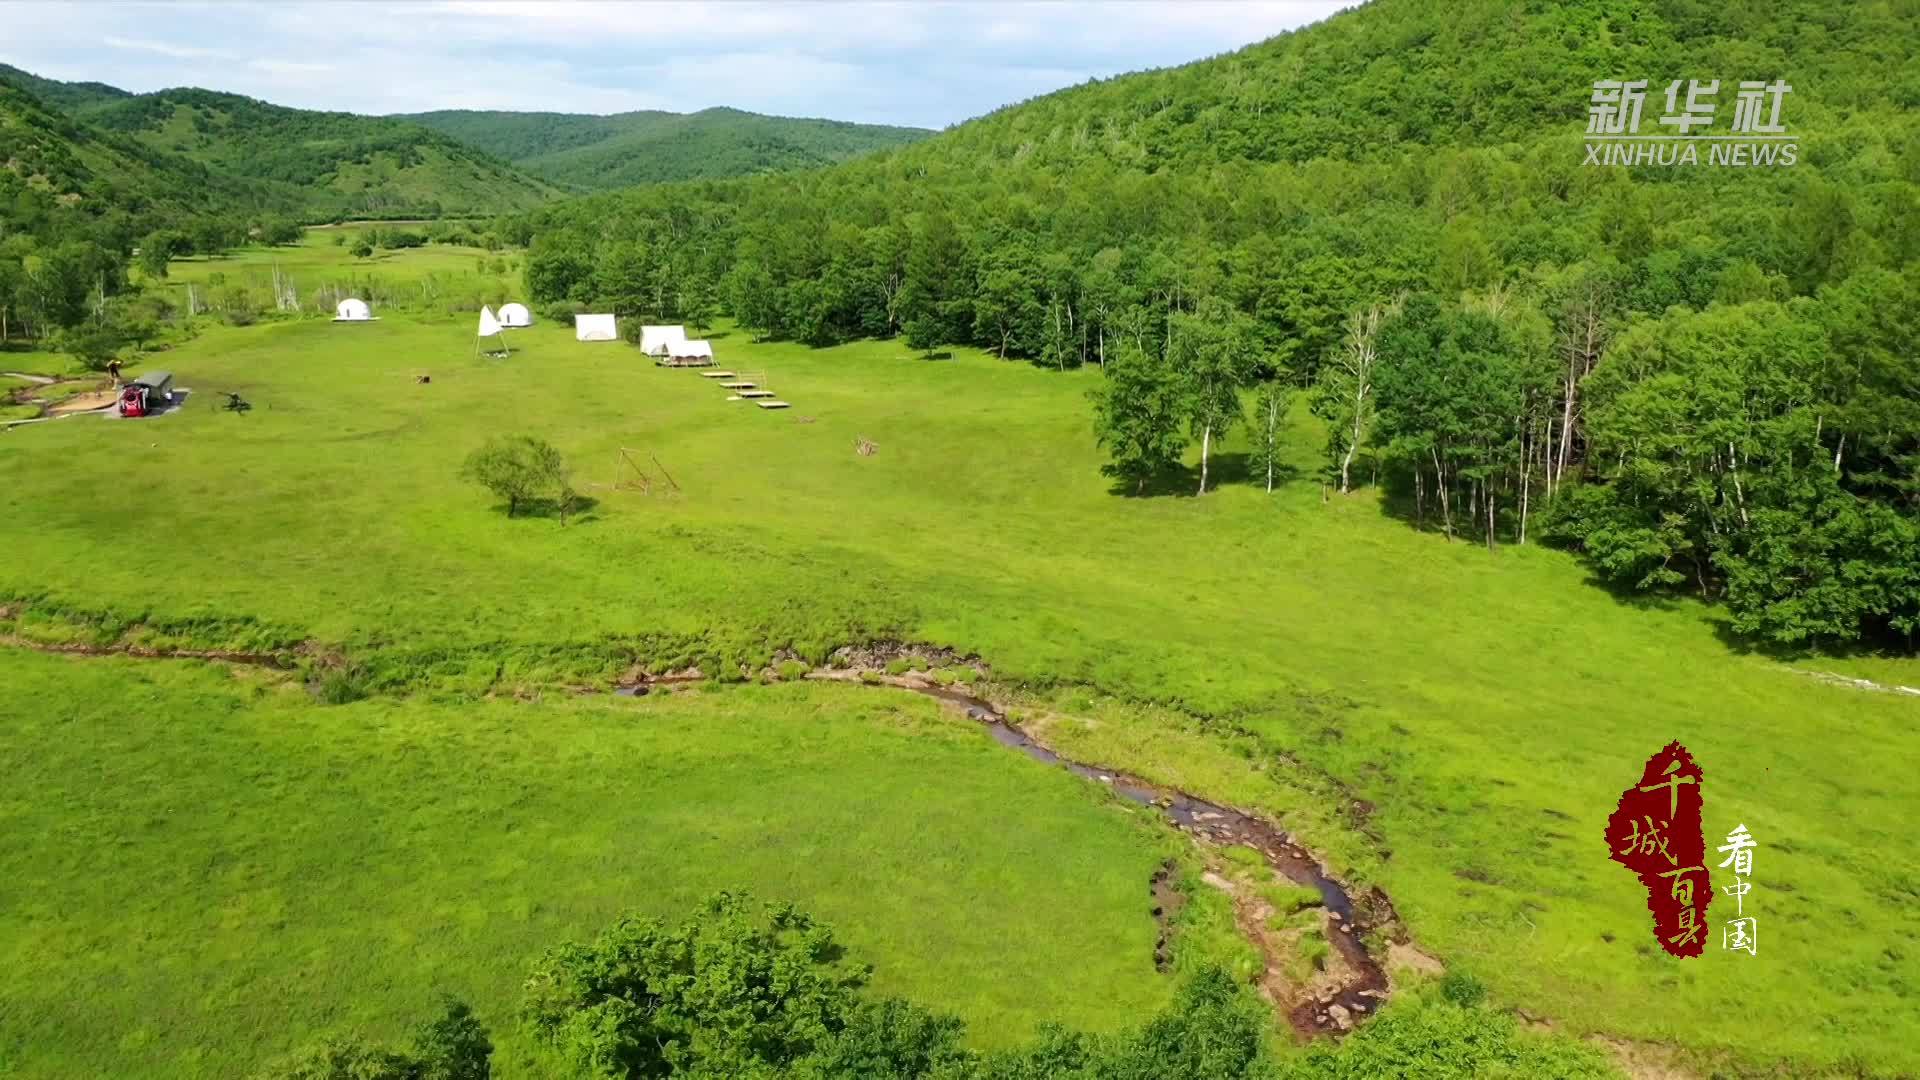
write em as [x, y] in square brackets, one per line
[511, 316]
[670, 341]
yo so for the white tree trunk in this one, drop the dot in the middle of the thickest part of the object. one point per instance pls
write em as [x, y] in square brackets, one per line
[1206, 444]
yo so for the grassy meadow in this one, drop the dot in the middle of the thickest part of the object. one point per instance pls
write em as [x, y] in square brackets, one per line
[218, 869]
[1452, 724]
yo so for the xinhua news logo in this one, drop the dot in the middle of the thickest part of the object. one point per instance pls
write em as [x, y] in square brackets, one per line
[1686, 133]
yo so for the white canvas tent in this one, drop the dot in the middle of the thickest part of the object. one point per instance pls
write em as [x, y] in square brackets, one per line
[594, 328]
[691, 350]
[353, 310]
[515, 315]
[659, 340]
[489, 328]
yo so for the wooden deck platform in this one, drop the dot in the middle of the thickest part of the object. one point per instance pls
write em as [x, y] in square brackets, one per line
[716, 374]
[738, 384]
[771, 404]
[756, 393]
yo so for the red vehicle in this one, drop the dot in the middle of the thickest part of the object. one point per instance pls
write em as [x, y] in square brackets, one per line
[146, 394]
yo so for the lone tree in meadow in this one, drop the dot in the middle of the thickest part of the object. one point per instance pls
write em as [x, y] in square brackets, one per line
[1139, 414]
[521, 469]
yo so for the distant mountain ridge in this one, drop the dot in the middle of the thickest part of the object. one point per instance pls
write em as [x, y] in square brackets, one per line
[315, 164]
[622, 149]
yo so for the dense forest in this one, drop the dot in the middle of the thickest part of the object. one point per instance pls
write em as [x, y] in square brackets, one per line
[604, 152]
[1702, 377]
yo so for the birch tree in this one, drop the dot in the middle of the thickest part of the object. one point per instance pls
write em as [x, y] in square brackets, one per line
[1214, 349]
[1268, 409]
[1344, 393]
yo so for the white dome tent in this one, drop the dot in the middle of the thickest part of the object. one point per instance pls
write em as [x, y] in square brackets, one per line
[353, 309]
[594, 328]
[514, 316]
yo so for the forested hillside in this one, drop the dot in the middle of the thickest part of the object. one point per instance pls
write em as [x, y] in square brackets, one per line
[75, 202]
[339, 163]
[72, 98]
[76, 205]
[603, 152]
[1702, 377]
[317, 164]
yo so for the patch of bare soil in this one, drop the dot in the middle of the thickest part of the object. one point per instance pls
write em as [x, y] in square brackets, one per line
[1168, 900]
[1643, 1061]
[876, 655]
[86, 401]
[144, 652]
[1404, 957]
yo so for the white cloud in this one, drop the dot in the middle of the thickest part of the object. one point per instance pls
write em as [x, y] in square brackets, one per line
[289, 67]
[929, 64]
[162, 48]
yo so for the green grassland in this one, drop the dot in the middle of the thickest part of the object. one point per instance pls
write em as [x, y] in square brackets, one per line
[1281, 651]
[218, 868]
[319, 260]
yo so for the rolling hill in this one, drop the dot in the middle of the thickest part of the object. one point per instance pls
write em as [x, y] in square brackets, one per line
[344, 164]
[74, 165]
[317, 164]
[69, 97]
[600, 152]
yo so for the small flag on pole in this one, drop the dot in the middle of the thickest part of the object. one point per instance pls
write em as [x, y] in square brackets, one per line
[490, 328]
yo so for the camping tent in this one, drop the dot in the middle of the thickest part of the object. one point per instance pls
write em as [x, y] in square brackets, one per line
[594, 328]
[489, 328]
[352, 310]
[691, 350]
[513, 315]
[657, 340]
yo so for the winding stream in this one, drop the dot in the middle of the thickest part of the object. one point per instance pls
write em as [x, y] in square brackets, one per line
[1364, 987]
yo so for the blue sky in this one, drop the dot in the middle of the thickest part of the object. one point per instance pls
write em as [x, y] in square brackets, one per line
[924, 64]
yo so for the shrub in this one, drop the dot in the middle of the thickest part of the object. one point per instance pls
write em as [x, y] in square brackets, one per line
[341, 686]
[563, 311]
[451, 1047]
[1462, 989]
[1314, 950]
